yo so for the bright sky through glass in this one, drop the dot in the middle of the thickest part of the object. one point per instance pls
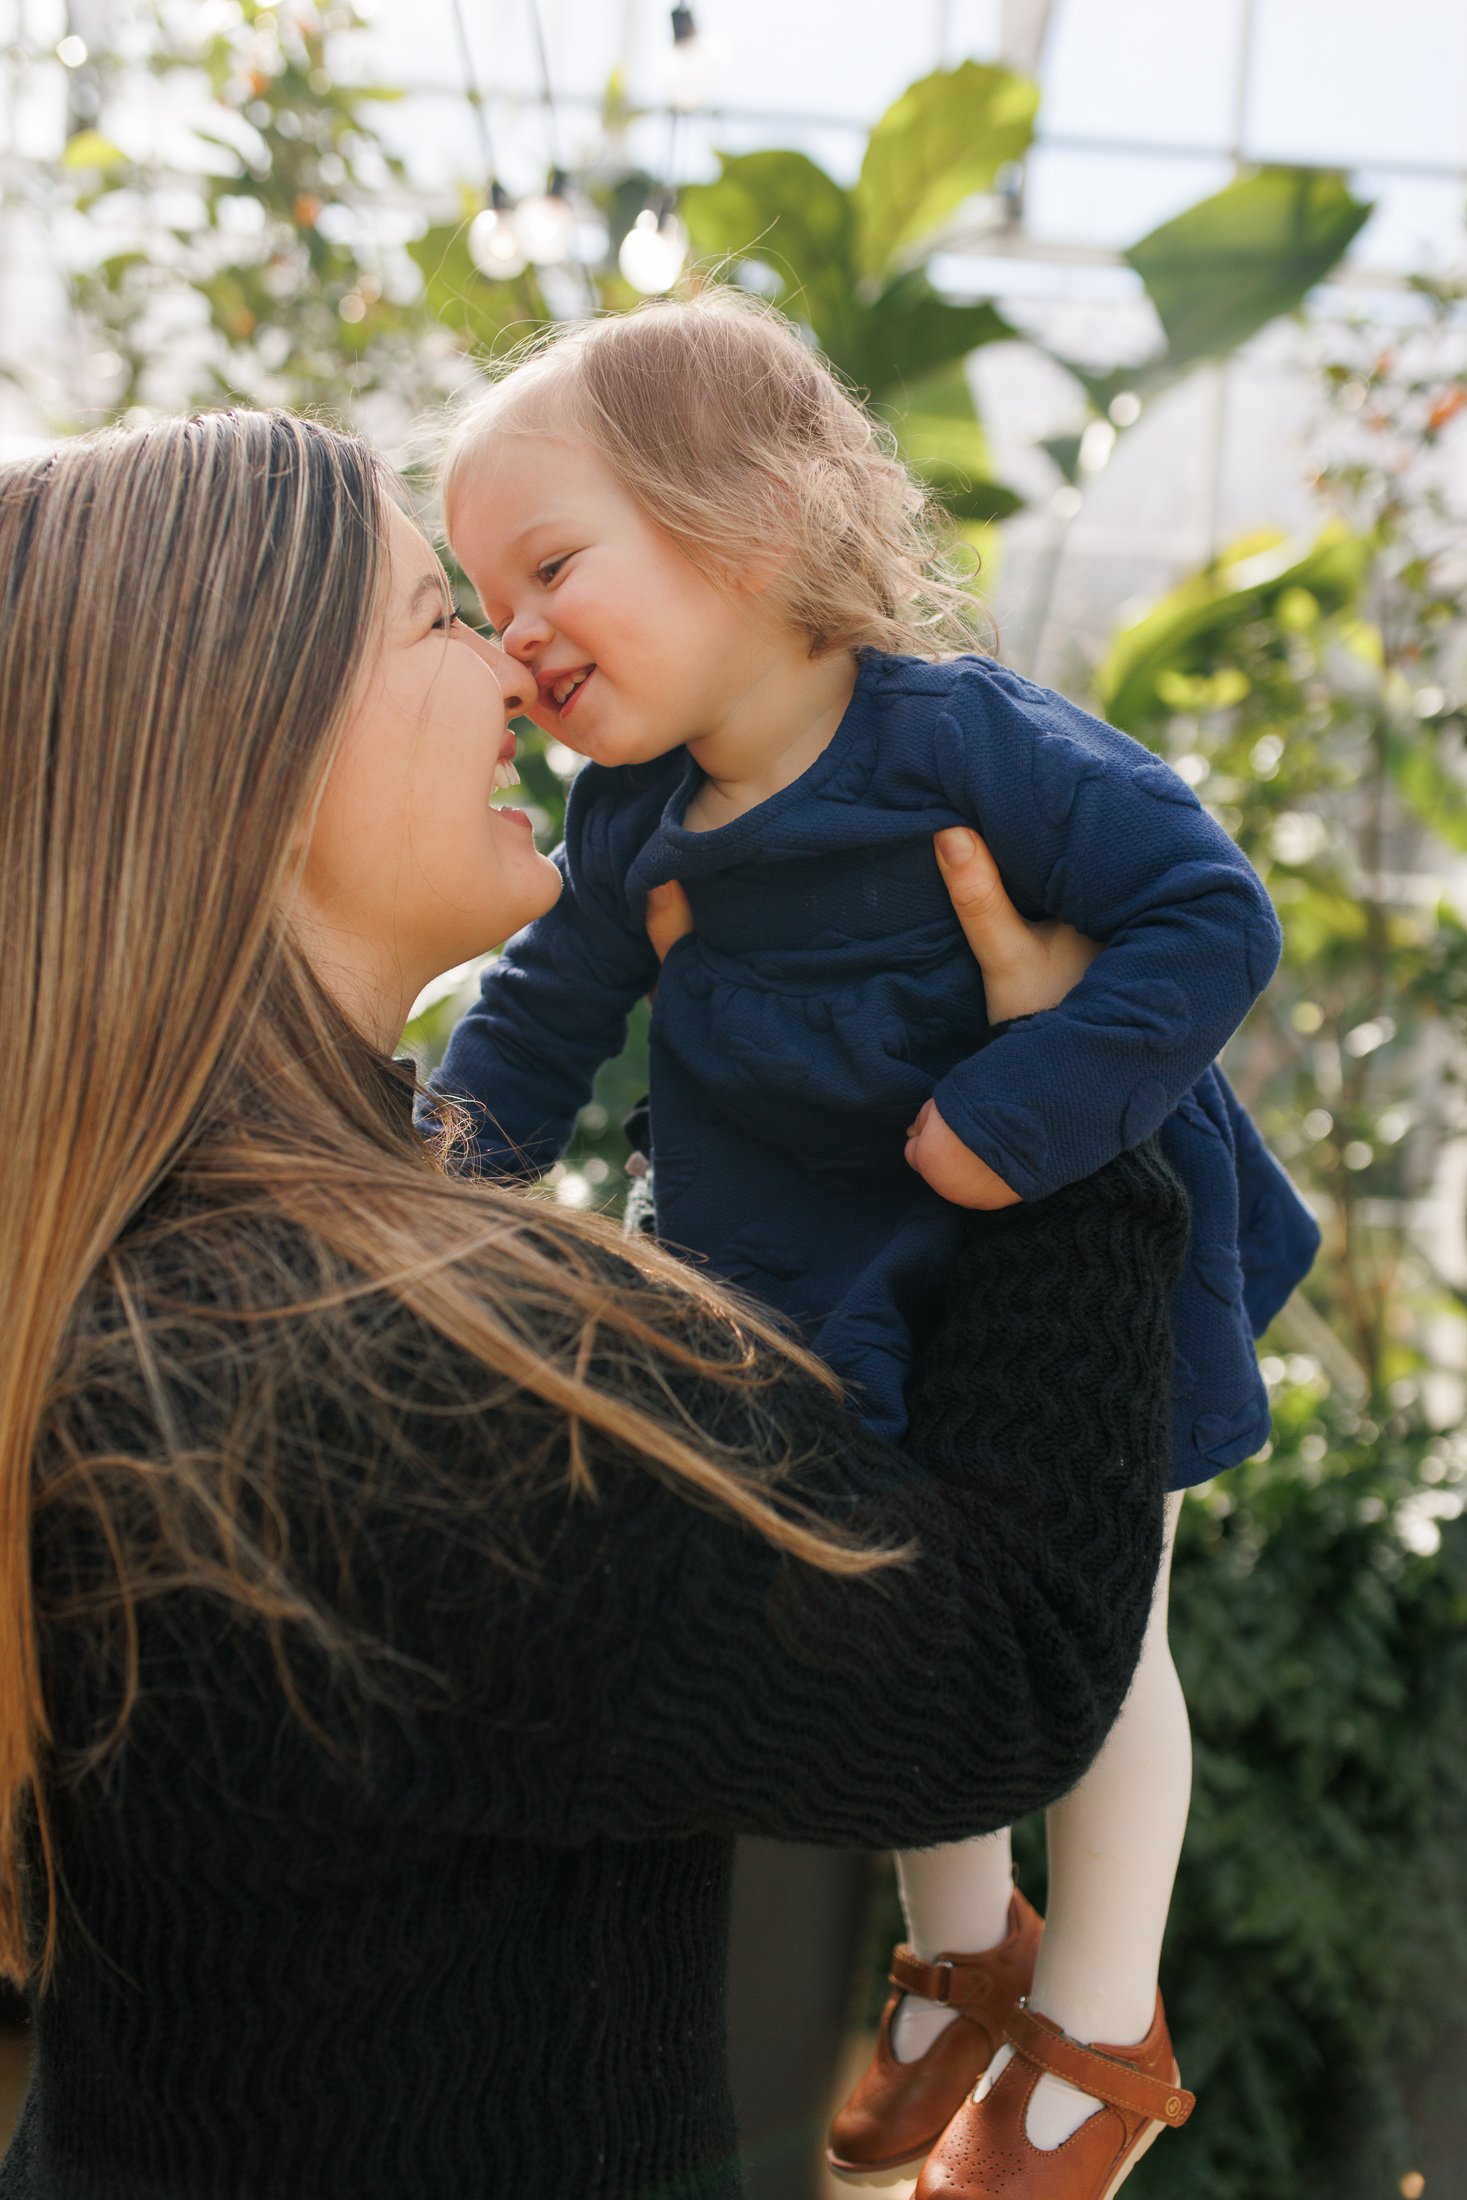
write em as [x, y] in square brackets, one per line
[1329, 81]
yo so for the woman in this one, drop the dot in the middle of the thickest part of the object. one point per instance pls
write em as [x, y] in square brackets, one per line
[407, 1594]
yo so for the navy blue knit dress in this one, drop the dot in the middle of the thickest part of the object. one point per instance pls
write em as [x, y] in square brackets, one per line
[828, 991]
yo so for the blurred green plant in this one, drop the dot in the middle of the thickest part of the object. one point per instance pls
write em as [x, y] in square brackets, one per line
[1314, 698]
[852, 265]
[258, 274]
[1317, 1960]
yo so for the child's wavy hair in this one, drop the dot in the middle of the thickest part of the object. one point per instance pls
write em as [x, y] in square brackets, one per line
[734, 435]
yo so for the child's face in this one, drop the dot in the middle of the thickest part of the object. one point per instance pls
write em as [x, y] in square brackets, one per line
[584, 588]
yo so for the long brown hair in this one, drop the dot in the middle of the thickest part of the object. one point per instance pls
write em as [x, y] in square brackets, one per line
[186, 608]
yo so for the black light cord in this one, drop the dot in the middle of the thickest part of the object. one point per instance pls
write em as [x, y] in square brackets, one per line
[552, 112]
[471, 84]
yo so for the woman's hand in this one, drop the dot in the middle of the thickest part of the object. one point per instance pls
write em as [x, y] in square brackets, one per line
[1026, 967]
[669, 917]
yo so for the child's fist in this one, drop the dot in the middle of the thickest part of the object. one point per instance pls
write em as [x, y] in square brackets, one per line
[952, 1169]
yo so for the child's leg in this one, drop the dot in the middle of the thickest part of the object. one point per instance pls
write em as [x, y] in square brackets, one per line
[1114, 1842]
[953, 1898]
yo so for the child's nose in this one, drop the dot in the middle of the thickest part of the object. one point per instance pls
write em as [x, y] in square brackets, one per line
[525, 635]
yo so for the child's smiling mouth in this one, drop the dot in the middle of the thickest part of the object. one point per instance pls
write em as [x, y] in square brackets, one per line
[565, 688]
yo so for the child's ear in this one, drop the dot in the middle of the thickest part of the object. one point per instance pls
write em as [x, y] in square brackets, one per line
[755, 574]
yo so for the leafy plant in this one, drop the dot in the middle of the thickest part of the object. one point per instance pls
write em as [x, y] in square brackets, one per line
[1314, 698]
[259, 276]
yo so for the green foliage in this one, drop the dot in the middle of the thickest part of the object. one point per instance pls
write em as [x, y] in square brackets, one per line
[784, 210]
[847, 263]
[478, 313]
[1226, 267]
[910, 333]
[944, 443]
[1175, 657]
[850, 265]
[250, 286]
[1315, 701]
[944, 140]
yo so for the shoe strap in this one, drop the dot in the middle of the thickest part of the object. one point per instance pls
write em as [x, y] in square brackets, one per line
[967, 1986]
[1104, 2077]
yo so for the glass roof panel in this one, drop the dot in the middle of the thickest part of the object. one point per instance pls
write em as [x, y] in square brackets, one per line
[1112, 198]
[1143, 71]
[1344, 81]
[1417, 223]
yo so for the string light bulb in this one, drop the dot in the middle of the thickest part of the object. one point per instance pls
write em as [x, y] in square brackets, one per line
[495, 246]
[654, 250]
[545, 223]
[690, 68]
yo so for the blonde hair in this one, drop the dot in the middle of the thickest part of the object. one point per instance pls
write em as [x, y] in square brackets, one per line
[203, 1167]
[731, 433]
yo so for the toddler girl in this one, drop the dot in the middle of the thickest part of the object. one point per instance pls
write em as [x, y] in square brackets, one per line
[731, 596]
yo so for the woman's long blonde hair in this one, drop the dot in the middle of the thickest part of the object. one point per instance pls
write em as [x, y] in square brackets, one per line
[194, 1135]
[738, 440]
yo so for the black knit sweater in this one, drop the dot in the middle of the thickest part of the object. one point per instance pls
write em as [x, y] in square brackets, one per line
[475, 1947]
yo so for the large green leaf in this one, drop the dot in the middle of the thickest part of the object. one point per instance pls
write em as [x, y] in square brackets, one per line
[477, 310]
[909, 332]
[942, 439]
[945, 138]
[1430, 788]
[1188, 631]
[1235, 261]
[780, 208]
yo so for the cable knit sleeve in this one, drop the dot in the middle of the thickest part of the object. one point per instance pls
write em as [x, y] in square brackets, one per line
[655, 1669]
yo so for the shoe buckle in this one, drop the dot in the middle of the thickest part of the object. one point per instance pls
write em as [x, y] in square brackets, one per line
[943, 1984]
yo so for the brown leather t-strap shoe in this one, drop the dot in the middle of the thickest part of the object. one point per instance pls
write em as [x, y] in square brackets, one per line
[899, 2109]
[986, 2150]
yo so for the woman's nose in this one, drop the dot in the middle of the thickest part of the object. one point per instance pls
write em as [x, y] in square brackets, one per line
[517, 684]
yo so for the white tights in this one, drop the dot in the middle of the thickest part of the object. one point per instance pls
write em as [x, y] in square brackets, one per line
[1113, 1843]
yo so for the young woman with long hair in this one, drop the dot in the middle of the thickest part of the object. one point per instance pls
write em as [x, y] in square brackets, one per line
[408, 1592]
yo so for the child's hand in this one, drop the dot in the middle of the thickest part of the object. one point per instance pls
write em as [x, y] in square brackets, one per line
[952, 1169]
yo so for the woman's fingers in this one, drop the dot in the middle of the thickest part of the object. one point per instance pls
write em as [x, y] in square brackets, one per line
[1026, 967]
[995, 931]
[669, 917]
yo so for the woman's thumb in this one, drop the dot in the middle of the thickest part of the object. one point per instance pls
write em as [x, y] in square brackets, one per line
[669, 917]
[989, 919]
